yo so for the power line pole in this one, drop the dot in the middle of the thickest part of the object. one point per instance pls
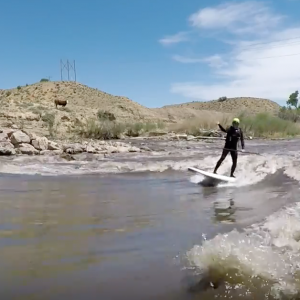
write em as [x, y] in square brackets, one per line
[69, 68]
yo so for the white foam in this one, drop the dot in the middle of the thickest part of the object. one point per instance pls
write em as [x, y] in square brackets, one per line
[251, 169]
[267, 252]
[197, 178]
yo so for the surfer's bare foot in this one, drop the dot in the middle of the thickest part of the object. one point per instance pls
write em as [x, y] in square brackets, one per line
[232, 176]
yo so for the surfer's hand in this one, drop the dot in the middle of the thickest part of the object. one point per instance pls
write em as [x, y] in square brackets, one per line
[218, 123]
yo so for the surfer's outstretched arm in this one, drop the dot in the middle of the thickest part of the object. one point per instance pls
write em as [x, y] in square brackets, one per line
[222, 128]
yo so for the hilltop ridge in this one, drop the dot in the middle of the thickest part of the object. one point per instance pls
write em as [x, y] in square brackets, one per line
[233, 105]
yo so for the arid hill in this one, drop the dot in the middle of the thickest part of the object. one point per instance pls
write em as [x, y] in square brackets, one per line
[233, 105]
[32, 107]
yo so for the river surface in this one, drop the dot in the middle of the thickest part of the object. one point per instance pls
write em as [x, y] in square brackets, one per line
[141, 226]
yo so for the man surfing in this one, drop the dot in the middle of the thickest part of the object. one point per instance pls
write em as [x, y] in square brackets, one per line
[234, 134]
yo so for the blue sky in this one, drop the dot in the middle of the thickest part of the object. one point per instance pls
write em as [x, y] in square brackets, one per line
[156, 52]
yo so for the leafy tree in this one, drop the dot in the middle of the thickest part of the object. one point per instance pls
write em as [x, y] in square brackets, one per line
[293, 100]
[291, 112]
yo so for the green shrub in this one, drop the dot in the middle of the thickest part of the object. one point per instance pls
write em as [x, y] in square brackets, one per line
[105, 129]
[35, 110]
[267, 125]
[289, 114]
[50, 120]
[102, 130]
[198, 125]
[105, 116]
[136, 129]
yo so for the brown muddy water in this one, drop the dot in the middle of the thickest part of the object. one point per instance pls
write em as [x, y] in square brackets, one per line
[143, 227]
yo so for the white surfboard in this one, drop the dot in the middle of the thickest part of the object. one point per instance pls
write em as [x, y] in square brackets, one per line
[212, 175]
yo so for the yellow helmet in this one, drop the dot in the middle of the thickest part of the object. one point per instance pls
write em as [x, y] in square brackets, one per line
[236, 120]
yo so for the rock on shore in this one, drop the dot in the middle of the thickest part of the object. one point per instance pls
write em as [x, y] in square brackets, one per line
[16, 142]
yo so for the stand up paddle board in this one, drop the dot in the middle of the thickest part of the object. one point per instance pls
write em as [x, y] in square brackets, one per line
[212, 175]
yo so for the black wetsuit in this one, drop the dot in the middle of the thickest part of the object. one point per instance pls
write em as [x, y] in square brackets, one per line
[232, 138]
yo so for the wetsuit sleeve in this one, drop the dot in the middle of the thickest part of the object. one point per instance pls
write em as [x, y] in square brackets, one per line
[222, 128]
[242, 139]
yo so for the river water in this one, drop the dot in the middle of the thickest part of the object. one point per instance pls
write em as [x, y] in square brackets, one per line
[141, 226]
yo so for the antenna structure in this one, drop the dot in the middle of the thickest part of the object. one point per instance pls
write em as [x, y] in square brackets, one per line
[67, 70]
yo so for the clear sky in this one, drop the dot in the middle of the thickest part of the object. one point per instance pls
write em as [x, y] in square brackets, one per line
[156, 52]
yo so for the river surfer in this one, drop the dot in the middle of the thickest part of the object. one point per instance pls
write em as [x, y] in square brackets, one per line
[234, 134]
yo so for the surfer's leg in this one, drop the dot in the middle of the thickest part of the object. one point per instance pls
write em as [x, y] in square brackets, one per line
[223, 156]
[234, 156]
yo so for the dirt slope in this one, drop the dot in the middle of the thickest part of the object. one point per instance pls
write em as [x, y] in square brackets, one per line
[233, 105]
[31, 106]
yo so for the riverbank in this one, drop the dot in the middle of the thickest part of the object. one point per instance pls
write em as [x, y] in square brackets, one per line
[131, 155]
[15, 142]
[262, 125]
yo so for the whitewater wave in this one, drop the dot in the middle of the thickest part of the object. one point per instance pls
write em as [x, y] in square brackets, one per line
[265, 256]
[251, 169]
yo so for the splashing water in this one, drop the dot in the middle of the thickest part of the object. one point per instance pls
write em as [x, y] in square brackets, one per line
[264, 257]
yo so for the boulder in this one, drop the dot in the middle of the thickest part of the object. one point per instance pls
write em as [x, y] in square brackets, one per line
[145, 148]
[53, 146]
[40, 143]
[112, 149]
[73, 148]
[27, 149]
[190, 137]
[8, 131]
[51, 152]
[4, 137]
[90, 149]
[134, 149]
[7, 148]
[120, 149]
[19, 137]
[31, 135]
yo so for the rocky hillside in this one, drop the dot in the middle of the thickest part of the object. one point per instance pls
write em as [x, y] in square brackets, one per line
[233, 105]
[32, 107]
